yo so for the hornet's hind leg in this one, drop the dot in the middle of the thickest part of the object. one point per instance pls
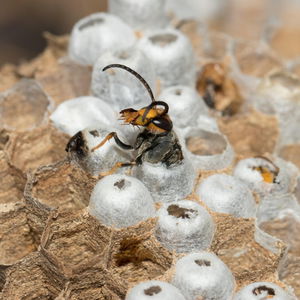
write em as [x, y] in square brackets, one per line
[116, 167]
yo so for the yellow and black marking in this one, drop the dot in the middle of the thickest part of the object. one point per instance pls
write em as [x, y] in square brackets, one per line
[154, 120]
[139, 117]
[268, 173]
[151, 117]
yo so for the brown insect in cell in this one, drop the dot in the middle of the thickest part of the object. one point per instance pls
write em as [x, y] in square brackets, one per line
[218, 90]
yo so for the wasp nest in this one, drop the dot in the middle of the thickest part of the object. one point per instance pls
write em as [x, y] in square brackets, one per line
[205, 209]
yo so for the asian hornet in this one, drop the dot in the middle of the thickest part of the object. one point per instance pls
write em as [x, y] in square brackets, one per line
[157, 143]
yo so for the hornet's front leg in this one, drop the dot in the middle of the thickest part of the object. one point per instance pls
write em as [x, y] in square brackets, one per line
[118, 141]
[121, 145]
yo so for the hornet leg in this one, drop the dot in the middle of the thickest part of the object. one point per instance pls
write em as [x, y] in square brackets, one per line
[116, 167]
[118, 141]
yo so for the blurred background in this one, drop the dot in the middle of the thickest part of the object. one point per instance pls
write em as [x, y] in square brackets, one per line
[22, 24]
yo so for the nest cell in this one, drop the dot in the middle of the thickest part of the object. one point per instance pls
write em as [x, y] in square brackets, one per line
[208, 123]
[184, 226]
[254, 60]
[277, 206]
[167, 184]
[278, 94]
[185, 105]
[81, 149]
[204, 275]
[14, 226]
[119, 88]
[264, 176]
[172, 55]
[60, 185]
[66, 79]
[12, 181]
[154, 290]
[226, 194]
[290, 153]
[263, 290]
[202, 11]
[136, 254]
[121, 201]
[208, 149]
[46, 142]
[33, 276]
[97, 33]
[259, 173]
[282, 88]
[79, 113]
[24, 106]
[82, 237]
[140, 15]
[297, 189]
[95, 282]
[273, 181]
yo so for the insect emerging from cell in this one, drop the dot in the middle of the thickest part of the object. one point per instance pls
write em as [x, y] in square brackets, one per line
[269, 171]
[218, 90]
[156, 143]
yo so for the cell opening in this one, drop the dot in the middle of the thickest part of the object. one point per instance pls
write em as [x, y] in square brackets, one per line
[178, 92]
[286, 80]
[205, 143]
[203, 262]
[91, 23]
[260, 289]
[124, 55]
[180, 212]
[163, 40]
[153, 290]
[122, 184]
[132, 251]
